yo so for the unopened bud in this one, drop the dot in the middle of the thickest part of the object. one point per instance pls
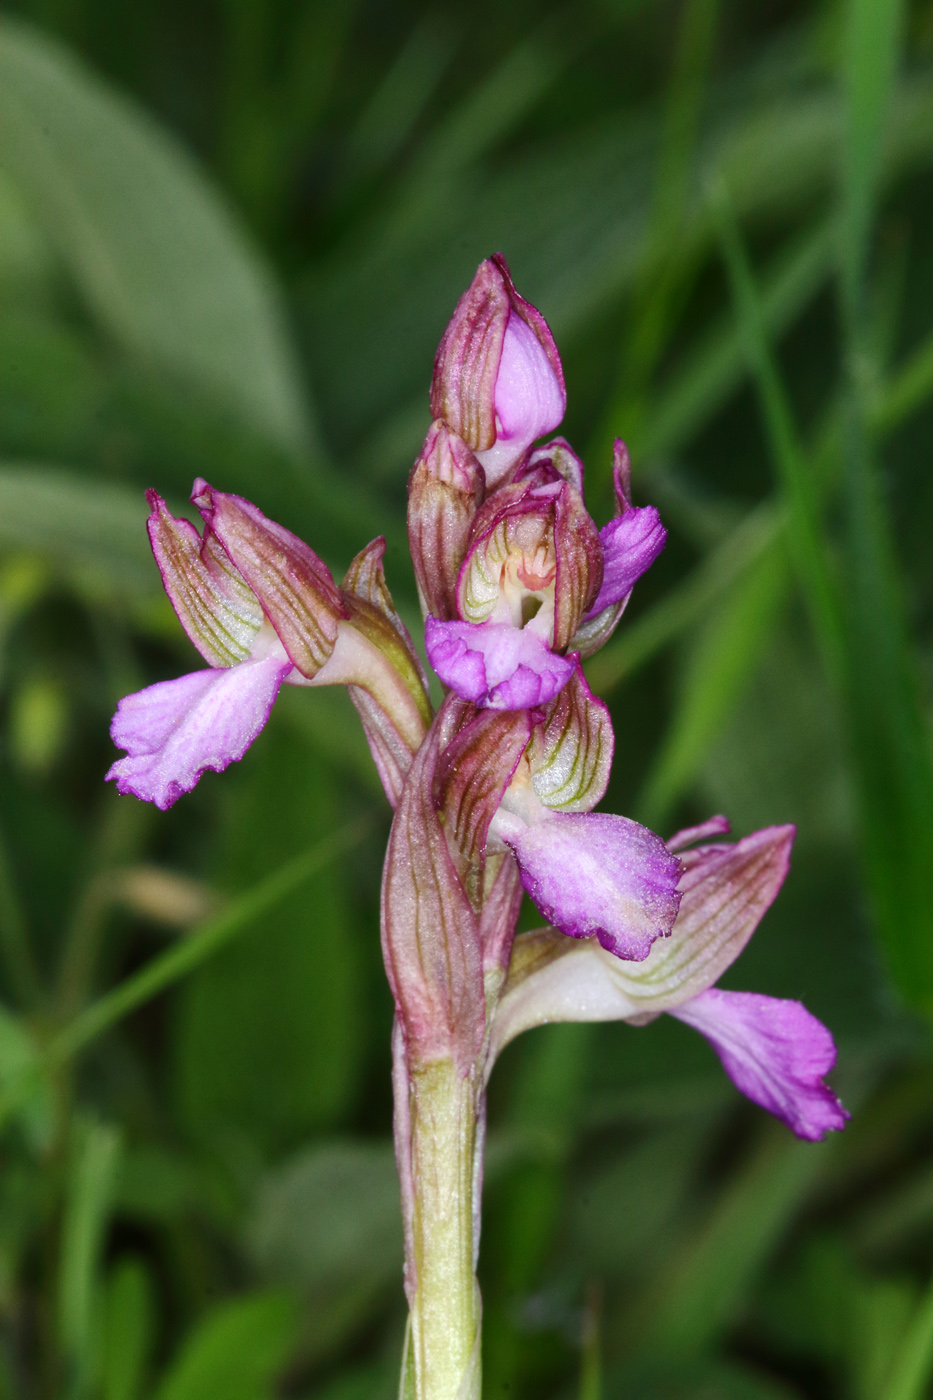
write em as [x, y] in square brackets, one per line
[498, 380]
[444, 493]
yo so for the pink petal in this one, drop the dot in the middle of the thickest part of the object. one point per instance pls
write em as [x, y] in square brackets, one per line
[177, 729]
[597, 874]
[529, 398]
[631, 543]
[775, 1052]
[716, 826]
[497, 666]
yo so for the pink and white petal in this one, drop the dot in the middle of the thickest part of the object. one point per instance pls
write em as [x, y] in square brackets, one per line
[597, 874]
[175, 730]
[775, 1052]
[631, 543]
[553, 979]
[529, 398]
[496, 665]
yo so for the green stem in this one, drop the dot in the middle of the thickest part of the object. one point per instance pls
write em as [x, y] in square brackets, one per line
[445, 1309]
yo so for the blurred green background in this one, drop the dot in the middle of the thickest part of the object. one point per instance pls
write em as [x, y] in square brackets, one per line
[231, 234]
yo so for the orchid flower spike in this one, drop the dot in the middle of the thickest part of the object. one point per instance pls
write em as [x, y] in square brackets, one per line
[774, 1050]
[494, 795]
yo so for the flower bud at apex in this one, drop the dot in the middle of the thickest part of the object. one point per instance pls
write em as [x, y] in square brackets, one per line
[498, 380]
[445, 489]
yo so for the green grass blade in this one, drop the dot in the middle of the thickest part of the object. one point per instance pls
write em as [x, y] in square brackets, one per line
[715, 366]
[872, 32]
[890, 739]
[90, 1187]
[914, 1366]
[709, 1279]
[128, 1330]
[725, 655]
[686, 605]
[795, 473]
[179, 961]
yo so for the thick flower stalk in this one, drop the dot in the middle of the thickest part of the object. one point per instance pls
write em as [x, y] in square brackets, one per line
[494, 794]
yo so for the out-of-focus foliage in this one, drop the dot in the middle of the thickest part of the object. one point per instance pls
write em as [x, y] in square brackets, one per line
[230, 237]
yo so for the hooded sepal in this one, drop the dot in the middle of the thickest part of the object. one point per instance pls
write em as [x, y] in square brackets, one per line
[571, 749]
[365, 582]
[561, 458]
[445, 490]
[498, 381]
[502, 899]
[579, 565]
[472, 774]
[214, 604]
[430, 930]
[534, 558]
[295, 587]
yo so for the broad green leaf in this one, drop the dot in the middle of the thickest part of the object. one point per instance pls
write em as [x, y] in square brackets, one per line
[269, 1036]
[93, 527]
[62, 400]
[156, 254]
[327, 1222]
[27, 263]
[236, 1352]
